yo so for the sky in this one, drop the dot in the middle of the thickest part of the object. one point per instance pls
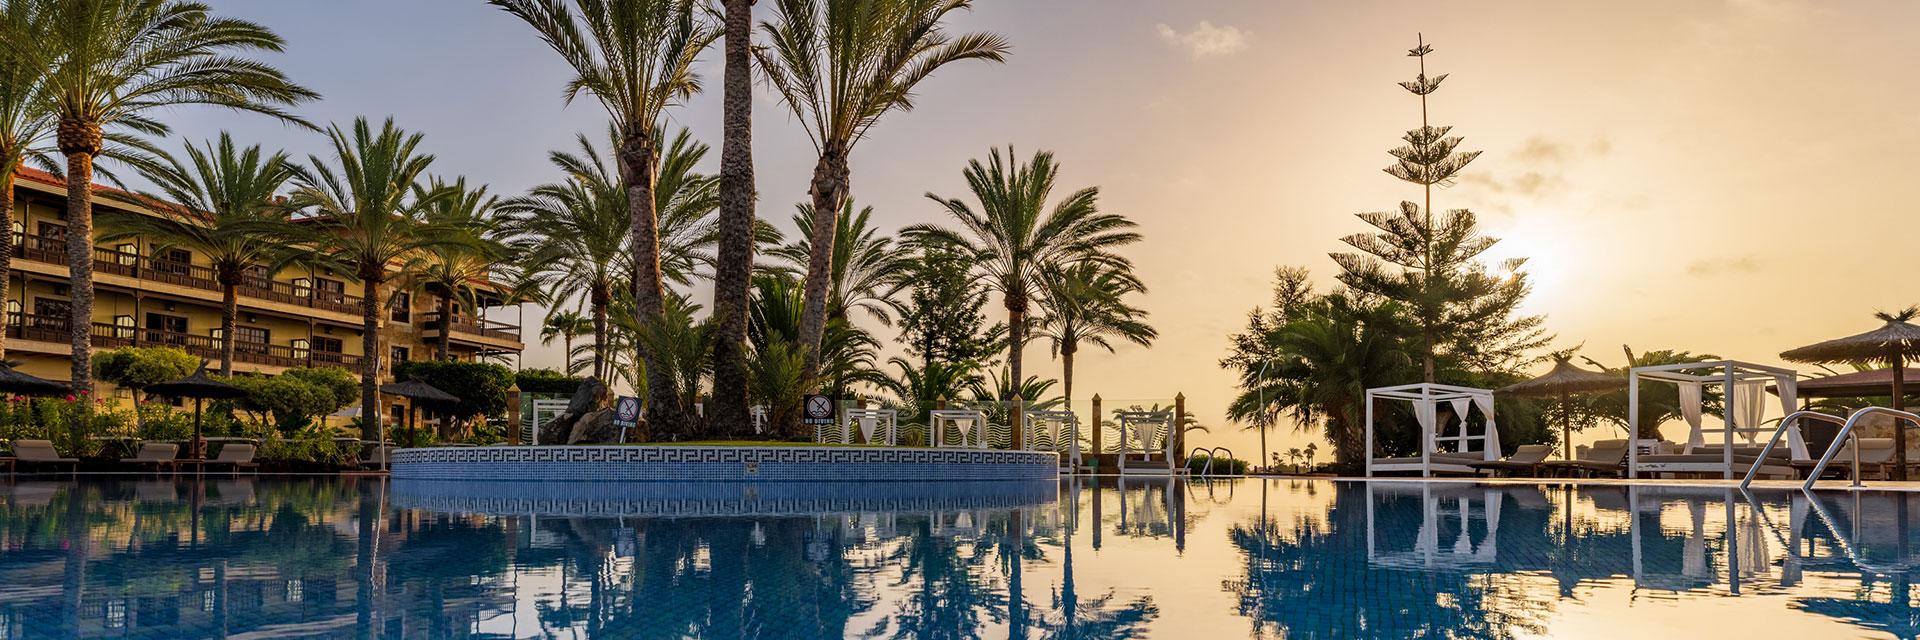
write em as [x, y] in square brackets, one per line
[1716, 176]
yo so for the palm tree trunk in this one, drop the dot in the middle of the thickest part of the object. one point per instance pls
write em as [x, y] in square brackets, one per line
[829, 191]
[370, 415]
[1066, 372]
[566, 342]
[229, 324]
[639, 169]
[1016, 339]
[6, 251]
[600, 371]
[734, 269]
[446, 328]
[80, 259]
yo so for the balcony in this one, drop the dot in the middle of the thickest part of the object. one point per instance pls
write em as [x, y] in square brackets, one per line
[106, 336]
[131, 265]
[472, 326]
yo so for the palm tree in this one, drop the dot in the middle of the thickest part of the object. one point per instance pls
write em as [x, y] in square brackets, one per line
[636, 57]
[866, 268]
[847, 352]
[452, 270]
[840, 65]
[116, 63]
[226, 206]
[368, 223]
[1085, 302]
[26, 125]
[574, 234]
[1013, 240]
[565, 325]
[1316, 365]
[733, 377]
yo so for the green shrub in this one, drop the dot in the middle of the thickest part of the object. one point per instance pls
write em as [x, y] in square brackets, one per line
[1221, 466]
[480, 386]
[137, 368]
[310, 445]
[295, 399]
[546, 381]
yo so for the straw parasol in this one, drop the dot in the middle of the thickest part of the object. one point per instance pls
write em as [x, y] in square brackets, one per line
[199, 387]
[419, 393]
[1891, 343]
[1565, 379]
[17, 383]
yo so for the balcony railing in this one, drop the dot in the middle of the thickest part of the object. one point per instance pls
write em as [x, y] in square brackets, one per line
[472, 326]
[133, 265]
[106, 335]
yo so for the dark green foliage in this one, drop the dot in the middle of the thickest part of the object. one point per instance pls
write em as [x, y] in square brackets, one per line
[1221, 466]
[294, 399]
[138, 367]
[546, 381]
[480, 386]
[941, 319]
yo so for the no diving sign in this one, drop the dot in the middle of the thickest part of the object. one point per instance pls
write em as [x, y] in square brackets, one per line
[817, 410]
[626, 414]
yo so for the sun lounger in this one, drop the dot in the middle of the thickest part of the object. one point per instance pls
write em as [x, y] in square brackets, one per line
[41, 452]
[158, 455]
[233, 456]
[1525, 460]
[1605, 457]
[1876, 458]
[1711, 459]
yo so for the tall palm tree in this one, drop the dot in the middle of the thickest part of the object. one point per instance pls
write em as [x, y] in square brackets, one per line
[865, 269]
[1086, 303]
[840, 65]
[226, 206]
[636, 57]
[1317, 364]
[573, 235]
[733, 270]
[452, 271]
[26, 124]
[368, 222]
[1013, 239]
[565, 325]
[117, 63]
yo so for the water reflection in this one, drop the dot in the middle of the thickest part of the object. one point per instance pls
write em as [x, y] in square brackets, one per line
[1105, 558]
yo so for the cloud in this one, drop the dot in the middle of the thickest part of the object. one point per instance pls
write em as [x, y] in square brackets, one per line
[1205, 40]
[1716, 266]
[1544, 158]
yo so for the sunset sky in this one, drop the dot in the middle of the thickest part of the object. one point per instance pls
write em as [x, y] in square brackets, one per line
[1713, 176]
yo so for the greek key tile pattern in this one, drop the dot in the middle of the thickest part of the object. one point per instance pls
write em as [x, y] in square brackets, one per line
[694, 463]
[710, 499]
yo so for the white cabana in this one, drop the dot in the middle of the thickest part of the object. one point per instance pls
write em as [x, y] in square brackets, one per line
[1744, 387]
[1427, 399]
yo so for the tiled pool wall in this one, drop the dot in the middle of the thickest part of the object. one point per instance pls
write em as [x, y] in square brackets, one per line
[737, 464]
[704, 499]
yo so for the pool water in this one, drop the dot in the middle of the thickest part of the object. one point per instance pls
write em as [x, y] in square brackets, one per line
[367, 558]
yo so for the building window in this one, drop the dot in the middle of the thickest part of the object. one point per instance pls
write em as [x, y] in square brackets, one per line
[13, 308]
[253, 335]
[51, 231]
[302, 287]
[301, 346]
[116, 614]
[399, 355]
[402, 307]
[123, 327]
[333, 290]
[129, 254]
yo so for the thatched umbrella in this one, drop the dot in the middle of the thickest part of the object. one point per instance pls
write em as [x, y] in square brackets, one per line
[199, 387]
[1891, 343]
[1565, 379]
[417, 393]
[17, 383]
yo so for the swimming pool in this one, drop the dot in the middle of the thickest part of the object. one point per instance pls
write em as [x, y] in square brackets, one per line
[367, 558]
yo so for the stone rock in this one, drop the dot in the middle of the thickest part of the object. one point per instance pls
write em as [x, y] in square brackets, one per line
[595, 428]
[592, 395]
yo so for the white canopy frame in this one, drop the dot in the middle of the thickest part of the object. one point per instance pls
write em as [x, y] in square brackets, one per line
[965, 421]
[1139, 431]
[869, 426]
[1743, 387]
[1427, 398]
[1050, 427]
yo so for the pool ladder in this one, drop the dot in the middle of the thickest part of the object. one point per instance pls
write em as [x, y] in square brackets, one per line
[1846, 430]
[1206, 470]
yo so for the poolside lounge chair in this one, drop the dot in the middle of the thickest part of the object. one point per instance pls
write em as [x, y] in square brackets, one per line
[233, 456]
[41, 452]
[158, 455]
[1876, 459]
[1605, 457]
[1525, 460]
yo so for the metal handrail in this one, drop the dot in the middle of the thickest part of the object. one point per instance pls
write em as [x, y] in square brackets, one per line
[1847, 428]
[1205, 470]
[1213, 454]
[1754, 469]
